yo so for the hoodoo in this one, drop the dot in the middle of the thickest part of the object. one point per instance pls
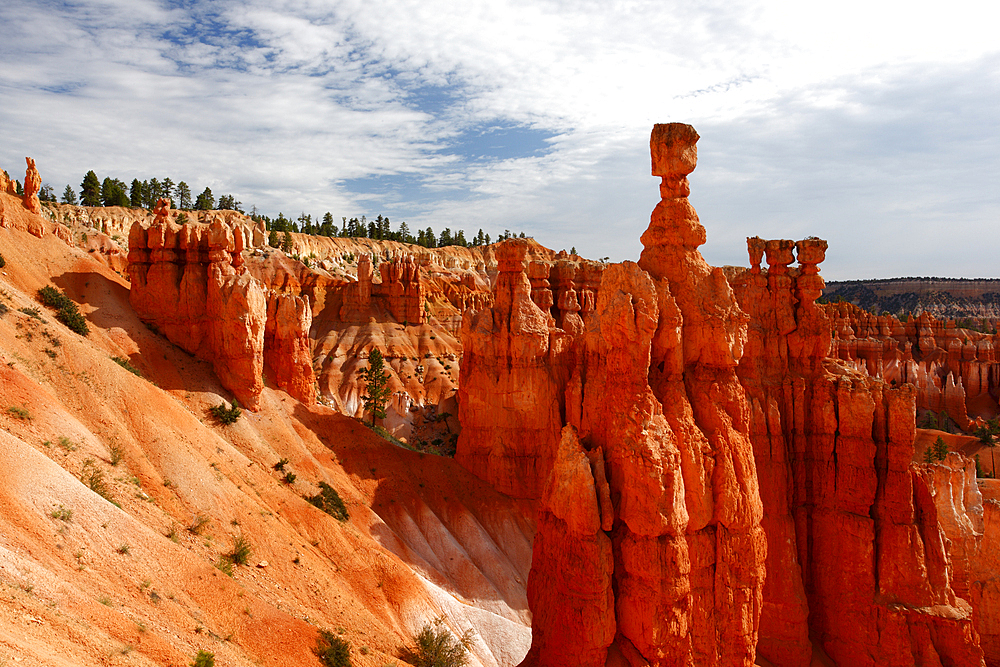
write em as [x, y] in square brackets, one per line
[702, 468]
[631, 428]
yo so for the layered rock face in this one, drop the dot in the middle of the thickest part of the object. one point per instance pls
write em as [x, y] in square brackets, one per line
[857, 560]
[972, 526]
[952, 367]
[682, 418]
[401, 291]
[514, 370]
[191, 283]
[629, 426]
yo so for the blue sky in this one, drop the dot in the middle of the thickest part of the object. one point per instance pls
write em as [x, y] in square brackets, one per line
[874, 125]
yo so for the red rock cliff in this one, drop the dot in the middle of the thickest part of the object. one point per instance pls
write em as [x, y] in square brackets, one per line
[857, 560]
[190, 281]
[627, 422]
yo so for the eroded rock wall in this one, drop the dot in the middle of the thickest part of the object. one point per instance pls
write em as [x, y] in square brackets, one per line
[955, 369]
[621, 413]
[190, 282]
[857, 558]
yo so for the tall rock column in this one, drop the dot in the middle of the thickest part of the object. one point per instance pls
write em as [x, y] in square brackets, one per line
[570, 585]
[287, 349]
[693, 376]
[32, 185]
[510, 394]
[857, 561]
[190, 283]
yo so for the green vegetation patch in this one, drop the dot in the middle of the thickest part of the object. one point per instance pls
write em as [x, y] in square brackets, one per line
[435, 646]
[330, 502]
[66, 309]
[226, 415]
[332, 651]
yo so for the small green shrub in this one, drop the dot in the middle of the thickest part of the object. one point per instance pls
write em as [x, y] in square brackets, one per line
[32, 312]
[435, 646]
[240, 555]
[127, 365]
[19, 413]
[204, 659]
[3, 262]
[332, 651]
[123, 549]
[62, 514]
[115, 450]
[289, 477]
[226, 415]
[52, 297]
[67, 311]
[280, 465]
[198, 524]
[330, 502]
[93, 477]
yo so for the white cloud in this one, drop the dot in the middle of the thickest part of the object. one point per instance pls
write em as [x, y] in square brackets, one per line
[866, 120]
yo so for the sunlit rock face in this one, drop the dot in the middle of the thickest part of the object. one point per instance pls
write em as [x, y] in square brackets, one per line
[710, 484]
[857, 560]
[190, 282]
[623, 417]
[954, 368]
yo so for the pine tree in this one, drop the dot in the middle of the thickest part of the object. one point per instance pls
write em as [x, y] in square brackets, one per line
[376, 385]
[327, 228]
[119, 193]
[184, 195]
[205, 201]
[940, 449]
[272, 239]
[286, 243]
[106, 190]
[69, 196]
[155, 191]
[90, 190]
[135, 194]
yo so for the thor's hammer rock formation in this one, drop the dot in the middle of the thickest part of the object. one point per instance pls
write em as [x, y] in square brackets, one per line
[631, 430]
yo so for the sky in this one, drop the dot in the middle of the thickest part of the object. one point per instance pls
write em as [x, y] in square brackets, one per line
[874, 125]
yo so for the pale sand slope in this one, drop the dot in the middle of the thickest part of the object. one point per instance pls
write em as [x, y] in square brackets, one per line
[107, 586]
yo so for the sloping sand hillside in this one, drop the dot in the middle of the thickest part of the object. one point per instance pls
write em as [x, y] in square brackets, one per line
[83, 582]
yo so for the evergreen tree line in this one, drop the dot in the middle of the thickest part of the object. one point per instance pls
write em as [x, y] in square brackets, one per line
[144, 194]
[379, 228]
